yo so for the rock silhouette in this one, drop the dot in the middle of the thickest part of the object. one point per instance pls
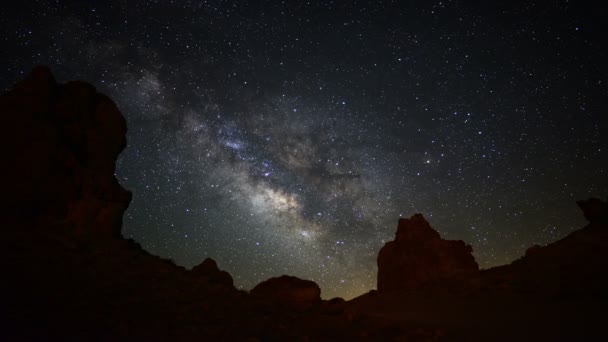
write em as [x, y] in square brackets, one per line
[71, 272]
[62, 142]
[554, 292]
[595, 210]
[69, 275]
[419, 257]
[568, 267]
[209, 271]
[289, 291]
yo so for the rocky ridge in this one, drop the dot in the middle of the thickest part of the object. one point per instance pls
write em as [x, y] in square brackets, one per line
[70, 275]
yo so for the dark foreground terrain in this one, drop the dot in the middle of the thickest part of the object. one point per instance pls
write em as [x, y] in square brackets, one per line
[69, 275]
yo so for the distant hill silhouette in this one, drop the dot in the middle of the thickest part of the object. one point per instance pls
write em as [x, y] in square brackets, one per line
[69, 275]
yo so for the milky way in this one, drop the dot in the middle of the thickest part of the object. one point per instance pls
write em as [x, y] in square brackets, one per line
[288, 137]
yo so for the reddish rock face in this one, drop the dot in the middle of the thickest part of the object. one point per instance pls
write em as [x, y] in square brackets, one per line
[289, 291]
[419, 257]
[61, 143]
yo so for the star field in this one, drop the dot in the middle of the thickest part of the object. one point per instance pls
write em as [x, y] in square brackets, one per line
[282, 137]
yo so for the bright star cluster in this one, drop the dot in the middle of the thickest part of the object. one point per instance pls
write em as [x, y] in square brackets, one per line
[287, 137]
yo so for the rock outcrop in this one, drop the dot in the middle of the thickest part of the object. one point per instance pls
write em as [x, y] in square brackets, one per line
[69, 275]
[419, 257]
[574, 266]
[68, 272]
[595, 210]
[209, 271]
[61, 143]
[289, 291]
[554, 292]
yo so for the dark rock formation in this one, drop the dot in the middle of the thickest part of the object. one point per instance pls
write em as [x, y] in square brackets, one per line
[61, 142]
[554, 292]
[69, 275]
[209, 271]
[419, 257]
[595, 210]
[574, 265]
[289, 291]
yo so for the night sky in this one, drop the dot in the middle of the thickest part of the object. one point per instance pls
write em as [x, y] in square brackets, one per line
[288, 137]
